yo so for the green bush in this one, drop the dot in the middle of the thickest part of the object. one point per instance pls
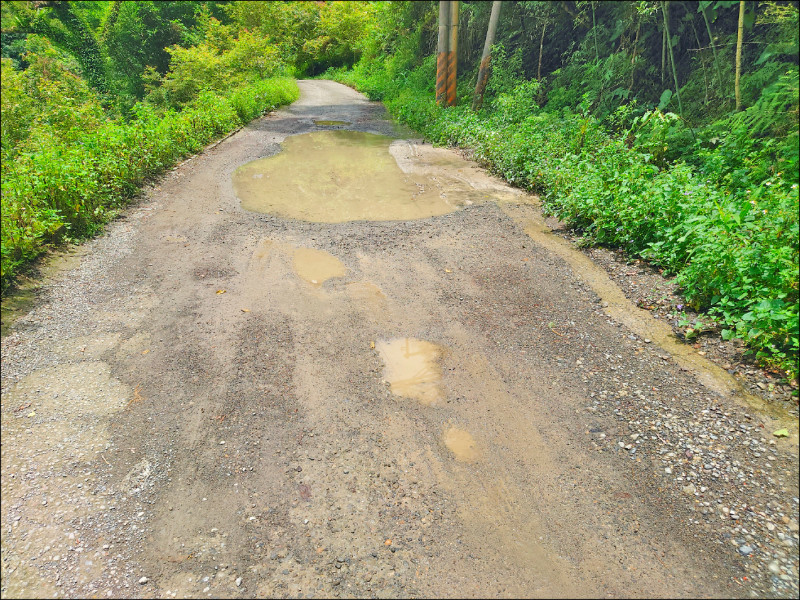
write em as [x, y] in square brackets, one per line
[73, 183]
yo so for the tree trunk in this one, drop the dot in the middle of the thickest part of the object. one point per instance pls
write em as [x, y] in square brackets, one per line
[739, 38]
[111, 20]
[452, 54]
[486, 58]
[665, 10]
[441, 56]
[594, 29]
[633, 58]
[83, 44]
[541, 47]
[713, 48]
[663, 55]
[702, 58]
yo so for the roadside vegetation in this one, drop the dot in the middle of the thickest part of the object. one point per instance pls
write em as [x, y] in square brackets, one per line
[581, 107]
[668, 129]
[98, 97]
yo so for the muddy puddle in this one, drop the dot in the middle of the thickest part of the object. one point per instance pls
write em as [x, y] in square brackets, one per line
[639, 321]
[316, 266]
[412, 368]
[337, 176]
[461, 444]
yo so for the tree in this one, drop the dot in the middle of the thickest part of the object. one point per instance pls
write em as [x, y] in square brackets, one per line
[483, 72]
[59, 22]
[664, 10]
[739, 39]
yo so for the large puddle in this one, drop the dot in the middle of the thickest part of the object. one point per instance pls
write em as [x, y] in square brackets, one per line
[337, 176]
[412, 368]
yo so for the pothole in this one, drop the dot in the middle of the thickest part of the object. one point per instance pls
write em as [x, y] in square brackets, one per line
[338, 176]
[412, 368]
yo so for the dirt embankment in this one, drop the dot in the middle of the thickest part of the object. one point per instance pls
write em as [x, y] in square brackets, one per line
[228, 403]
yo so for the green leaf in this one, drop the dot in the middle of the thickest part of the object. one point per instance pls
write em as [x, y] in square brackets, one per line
[666, 96]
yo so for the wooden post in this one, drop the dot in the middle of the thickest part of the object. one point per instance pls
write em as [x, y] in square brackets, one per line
[441, 56]
[486, 58]
[452, 61]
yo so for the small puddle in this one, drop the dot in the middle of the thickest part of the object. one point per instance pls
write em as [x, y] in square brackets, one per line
[337, 176]
[412, 368]
[316, 266]
[461, 444]
[331, 123]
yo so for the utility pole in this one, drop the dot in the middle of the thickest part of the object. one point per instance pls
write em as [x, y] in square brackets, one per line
[486, 58]
[441, 56]
[452, 61]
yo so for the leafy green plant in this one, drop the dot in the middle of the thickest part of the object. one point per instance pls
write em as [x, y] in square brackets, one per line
[66, 181]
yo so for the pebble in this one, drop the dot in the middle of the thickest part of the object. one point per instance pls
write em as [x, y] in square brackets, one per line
[143, 580]
[689, 489]
[238, 582]
[745, 550]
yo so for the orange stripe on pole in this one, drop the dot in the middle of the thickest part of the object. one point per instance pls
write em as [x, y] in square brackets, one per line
[451, 78]
[441, 56]
[452, 63]
[441, 78]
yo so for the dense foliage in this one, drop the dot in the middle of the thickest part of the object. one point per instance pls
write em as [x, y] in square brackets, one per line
[583, 115]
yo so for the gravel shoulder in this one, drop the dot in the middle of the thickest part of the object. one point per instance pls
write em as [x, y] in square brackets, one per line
[183, 415]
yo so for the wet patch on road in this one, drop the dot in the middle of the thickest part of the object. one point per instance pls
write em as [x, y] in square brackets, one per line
[461, 444]
[412, 368]
[316, 266]
[324, 123]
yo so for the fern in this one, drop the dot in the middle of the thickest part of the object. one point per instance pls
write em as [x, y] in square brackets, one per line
[776, 110]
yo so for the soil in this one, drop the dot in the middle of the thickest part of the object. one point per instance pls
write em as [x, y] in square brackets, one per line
[222, 403]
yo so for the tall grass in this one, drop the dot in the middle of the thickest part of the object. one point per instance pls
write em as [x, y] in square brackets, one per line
[68, 185]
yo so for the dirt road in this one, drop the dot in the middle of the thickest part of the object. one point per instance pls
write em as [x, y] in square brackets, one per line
[218, 402]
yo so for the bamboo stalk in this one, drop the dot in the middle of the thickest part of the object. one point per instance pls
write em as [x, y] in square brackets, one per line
[664, 9]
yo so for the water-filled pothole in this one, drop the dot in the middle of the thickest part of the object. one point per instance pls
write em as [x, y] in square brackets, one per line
[337, 176]
[412, 368]
[316, 266]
